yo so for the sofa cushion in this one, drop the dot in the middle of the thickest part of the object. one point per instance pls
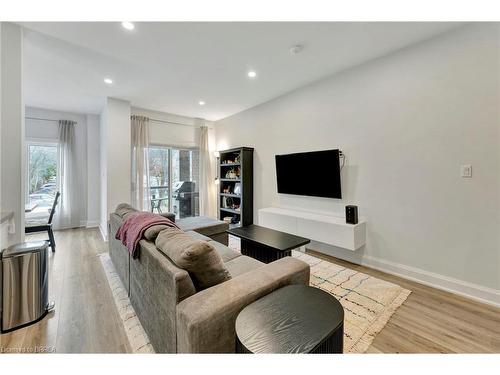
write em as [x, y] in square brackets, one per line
[123, 209]
[203, 225]
[242, 264]
[152, 232]
[198, 236]
[225, 252]
[199, 258]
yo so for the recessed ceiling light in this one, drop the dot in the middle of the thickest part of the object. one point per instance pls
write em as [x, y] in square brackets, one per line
[296, 49]
[252, 74]
[108, 81]
[128, 25]
[201, 102]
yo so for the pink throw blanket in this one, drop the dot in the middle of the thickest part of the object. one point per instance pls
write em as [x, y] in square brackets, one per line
[133, 228]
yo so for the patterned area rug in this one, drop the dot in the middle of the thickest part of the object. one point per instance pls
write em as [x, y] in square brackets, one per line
[368, 302]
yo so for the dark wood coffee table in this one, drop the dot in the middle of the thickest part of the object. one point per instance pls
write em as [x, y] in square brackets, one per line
[266, 245]
[293, 319]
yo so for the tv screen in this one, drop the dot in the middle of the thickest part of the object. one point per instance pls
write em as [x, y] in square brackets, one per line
[314, 174]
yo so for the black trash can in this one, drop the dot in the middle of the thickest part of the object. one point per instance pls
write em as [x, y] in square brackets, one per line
[24, 284]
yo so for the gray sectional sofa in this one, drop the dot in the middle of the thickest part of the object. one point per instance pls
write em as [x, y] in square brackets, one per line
[177, 317]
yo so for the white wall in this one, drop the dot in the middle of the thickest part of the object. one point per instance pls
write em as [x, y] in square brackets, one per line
[86, 148]
[115, 158]
[93, 171]
[12, 129]
[103, 172]
[406, 122]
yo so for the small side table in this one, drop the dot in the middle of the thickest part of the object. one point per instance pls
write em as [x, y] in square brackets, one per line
[293, 319]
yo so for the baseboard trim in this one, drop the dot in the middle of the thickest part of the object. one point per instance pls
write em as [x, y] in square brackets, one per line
[472, 291]
[92, 224]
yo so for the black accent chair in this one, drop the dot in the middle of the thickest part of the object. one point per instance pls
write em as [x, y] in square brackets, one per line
[46, 226]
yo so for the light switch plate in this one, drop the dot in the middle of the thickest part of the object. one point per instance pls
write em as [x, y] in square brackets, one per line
[466, 171]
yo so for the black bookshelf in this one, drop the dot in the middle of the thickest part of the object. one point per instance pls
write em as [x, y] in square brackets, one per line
[235, 170]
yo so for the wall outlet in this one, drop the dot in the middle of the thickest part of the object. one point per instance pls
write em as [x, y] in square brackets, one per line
[466, 171]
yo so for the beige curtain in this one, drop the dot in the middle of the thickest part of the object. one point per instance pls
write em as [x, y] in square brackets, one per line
[140, 165]
[69, 214]
[207, 185]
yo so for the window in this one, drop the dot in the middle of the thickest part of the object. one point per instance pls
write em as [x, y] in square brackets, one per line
[159, 171]
[173, 180]
[42, 180]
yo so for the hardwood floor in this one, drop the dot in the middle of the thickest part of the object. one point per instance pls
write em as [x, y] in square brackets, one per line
[86, 319]
[433, 321]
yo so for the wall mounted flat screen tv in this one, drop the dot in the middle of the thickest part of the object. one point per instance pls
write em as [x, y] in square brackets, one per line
[314, 174]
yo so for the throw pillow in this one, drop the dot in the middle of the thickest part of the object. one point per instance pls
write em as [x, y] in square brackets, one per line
[152, 232]
[197, 257]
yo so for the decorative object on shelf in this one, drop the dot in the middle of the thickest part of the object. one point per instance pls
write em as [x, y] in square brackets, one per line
[235, 220]
[228, 202]
[231, 174]
[228, 219]
[351, 214]
[227, 190]
[237, 188]
[235, 160]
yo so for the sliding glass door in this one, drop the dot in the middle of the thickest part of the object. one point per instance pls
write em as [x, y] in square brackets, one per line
[173, 179]
[159, 179]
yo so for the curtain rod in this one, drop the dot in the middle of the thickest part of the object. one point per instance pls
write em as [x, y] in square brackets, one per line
[151, 119]
[171, 122]
[41, 119]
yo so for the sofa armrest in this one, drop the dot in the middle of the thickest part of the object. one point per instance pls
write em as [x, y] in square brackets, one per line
[206, 320]
[169, 215]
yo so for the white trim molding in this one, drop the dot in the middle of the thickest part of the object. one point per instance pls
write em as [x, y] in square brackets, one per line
[92, 223]
[466, 289]
[104, 234]
[476, 292]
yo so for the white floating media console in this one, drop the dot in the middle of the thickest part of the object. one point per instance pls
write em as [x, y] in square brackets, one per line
[331, 230]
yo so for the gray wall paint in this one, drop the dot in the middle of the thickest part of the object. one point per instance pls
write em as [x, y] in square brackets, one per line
[12, 128]
[406, 122]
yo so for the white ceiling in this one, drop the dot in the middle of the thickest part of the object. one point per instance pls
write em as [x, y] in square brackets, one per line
[169, 66]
